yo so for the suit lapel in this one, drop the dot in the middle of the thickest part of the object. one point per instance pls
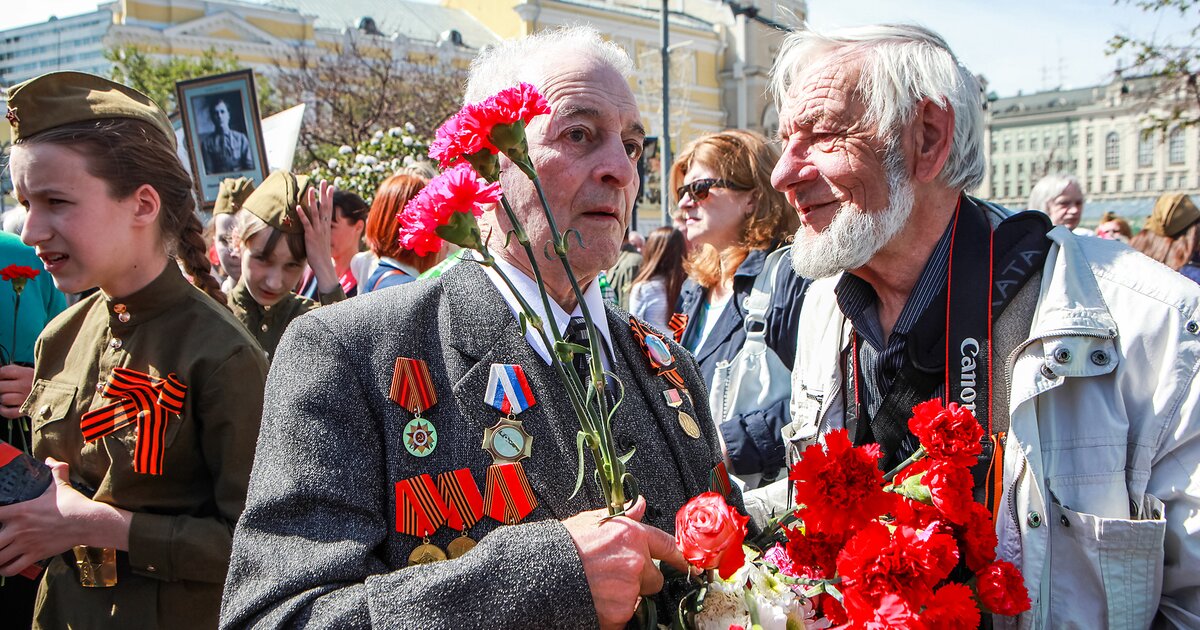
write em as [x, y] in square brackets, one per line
[644, 399]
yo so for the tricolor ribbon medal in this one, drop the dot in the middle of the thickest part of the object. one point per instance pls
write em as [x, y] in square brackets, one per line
[145, 402]
[508, 497]
[412, 388]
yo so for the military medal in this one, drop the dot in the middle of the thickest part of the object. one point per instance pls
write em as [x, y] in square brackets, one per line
[420, 511]
[508, 497]
[686, 421]
[508, 391]
[658, 353]
[462, 497]
[412, 388]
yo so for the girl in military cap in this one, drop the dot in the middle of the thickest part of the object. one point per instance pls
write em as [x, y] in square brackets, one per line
[283, 223]
[146, 395]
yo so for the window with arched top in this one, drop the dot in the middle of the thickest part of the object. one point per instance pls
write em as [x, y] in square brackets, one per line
[1112, 151]
[1175, 146]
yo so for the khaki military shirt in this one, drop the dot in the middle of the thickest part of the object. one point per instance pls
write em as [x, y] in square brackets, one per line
[267, 323]
[183, 519]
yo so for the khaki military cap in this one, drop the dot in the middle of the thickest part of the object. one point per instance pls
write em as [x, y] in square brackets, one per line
[275, 201]
[232, 194]
[1173, 213]
[61, 98]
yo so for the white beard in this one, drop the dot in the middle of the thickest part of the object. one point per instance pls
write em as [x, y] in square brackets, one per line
[855, 235]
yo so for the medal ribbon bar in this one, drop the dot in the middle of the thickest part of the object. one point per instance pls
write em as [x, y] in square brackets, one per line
[508, 498]
[461, 495]
[420, 510]
[412, 385]
[508, 390]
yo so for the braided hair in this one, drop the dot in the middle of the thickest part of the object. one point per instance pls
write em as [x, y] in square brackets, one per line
[128, 153]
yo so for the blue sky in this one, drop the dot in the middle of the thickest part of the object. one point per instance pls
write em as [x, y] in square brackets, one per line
[1019, 45]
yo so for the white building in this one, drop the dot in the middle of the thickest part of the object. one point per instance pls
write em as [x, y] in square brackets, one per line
[1103, 135]
[71, 43]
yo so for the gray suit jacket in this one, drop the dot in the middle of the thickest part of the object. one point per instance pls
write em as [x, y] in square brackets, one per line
[317, 543]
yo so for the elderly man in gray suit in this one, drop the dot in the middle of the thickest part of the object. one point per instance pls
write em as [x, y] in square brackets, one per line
[323, 538]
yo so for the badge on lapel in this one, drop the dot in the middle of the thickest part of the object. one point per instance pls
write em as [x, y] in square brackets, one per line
[412, 388]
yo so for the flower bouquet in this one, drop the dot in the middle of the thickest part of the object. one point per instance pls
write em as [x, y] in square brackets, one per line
[19, 276]
[861, 549]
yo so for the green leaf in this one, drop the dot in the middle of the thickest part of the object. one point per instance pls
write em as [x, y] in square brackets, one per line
[627, 456]
[581, 439]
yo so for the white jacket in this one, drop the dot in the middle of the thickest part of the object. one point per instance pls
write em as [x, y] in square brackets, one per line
[1102, 465]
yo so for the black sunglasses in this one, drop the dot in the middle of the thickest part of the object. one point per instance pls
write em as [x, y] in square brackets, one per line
[699, 188]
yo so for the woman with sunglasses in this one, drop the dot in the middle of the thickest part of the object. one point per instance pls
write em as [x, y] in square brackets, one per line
[733, 219]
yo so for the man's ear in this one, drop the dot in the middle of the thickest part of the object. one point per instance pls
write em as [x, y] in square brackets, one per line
[932, 133]
[146, 205]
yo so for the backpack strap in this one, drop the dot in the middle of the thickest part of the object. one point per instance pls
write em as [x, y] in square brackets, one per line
[388, 274]
[759, 300]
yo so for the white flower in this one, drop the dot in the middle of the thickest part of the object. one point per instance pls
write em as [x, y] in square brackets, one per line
[407, 140]
[370, 159]
[395, 132]
[339, 182]
[378, 168]
[377, 136]
[410, 128]
[333, 163]
[779, 606]
[345, 150]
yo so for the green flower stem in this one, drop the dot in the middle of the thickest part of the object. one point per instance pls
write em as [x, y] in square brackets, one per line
[917, 456]
[612, 470]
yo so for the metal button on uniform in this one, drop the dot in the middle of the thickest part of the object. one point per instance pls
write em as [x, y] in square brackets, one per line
[115, 344]
[151, 568]
[124, 317]
[119, 308]
[1034, 519]
[1100, 357]
[44, 411]
[264, 328]
[1062, 355]
[100, 386]
[1191, 326]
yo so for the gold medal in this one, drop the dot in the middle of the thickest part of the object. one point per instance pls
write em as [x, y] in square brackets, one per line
[689, 425]
[425, 553]
[460, 546]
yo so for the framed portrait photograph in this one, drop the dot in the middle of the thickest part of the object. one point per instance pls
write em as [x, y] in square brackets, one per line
[222, 130]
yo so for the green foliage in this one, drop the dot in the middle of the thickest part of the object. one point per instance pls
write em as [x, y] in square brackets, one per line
[362, 168]
[1173, 65]
[156, 76]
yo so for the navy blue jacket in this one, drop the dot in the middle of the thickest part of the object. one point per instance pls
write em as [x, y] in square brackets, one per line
[754, 440]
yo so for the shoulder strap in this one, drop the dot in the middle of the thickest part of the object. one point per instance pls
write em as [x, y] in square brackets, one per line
[387, 274]
[759, 300]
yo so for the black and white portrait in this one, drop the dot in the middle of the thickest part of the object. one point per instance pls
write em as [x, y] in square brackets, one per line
[224, 147]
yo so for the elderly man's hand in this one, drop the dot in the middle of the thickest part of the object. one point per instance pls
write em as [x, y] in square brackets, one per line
[15, 383]
[618, 559]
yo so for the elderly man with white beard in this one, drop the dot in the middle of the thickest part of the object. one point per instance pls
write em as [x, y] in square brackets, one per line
[1078, 356]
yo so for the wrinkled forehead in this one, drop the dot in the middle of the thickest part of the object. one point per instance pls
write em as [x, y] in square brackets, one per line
[576, 81]
[828, 87]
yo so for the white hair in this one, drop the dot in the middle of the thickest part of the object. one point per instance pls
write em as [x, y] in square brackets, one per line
[900, 66]
[1049, 187]
[526, 59]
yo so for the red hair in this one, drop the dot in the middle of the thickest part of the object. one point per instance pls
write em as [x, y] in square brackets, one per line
[383, 223]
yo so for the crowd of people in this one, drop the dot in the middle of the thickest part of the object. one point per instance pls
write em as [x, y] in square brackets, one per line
[223, 408]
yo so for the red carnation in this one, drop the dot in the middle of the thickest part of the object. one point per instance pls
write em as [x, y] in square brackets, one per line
[978, 536]
[950, 433]
[889, 612]
[952, 607]
[951, 489]
[1002, 589]
[446, 209]
[461, 135]
[839, 486]
[18, 275]
[908, 563]
[522, 102]
[480, 130]
[813, 555]
[710, 533]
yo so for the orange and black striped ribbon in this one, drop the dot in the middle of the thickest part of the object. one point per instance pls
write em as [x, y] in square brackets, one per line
[640, 331]
[718, 480]
[462, 497]
[412, 385]
[508, 497]
[144, 400]
[420, 510]
[677, 325]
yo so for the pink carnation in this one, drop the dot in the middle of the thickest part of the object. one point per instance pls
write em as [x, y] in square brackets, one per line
[458, 190]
